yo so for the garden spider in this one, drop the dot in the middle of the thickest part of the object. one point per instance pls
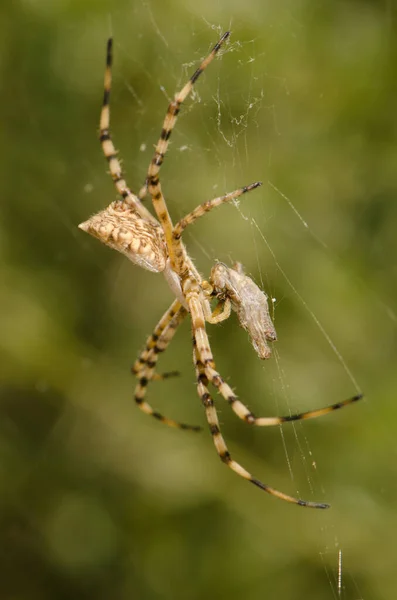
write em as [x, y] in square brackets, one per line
[127, 226]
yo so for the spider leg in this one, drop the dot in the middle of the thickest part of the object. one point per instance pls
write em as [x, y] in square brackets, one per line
[221, 312]
[144, 367]
[149, 356]
[202, 209]
[309, 414]
[246, 415]
[175, 248]
[150, 352]
[226, 391]
[213, 422]
[108, 148]
[143, 192]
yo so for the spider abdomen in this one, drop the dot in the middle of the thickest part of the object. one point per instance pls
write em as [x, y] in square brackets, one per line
[119, 227]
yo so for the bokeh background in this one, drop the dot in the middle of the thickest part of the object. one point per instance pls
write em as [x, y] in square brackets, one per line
[99, 501]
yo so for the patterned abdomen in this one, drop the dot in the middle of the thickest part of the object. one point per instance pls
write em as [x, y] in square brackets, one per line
[119, 227]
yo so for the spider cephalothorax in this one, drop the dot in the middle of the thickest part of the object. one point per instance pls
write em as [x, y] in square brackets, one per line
[126, 225]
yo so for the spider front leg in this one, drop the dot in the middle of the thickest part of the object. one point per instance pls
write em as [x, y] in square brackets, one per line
[144, 366]
[222, 310]
[200, 351]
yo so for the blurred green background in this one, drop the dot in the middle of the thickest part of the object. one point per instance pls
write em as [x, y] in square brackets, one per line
[99, 501]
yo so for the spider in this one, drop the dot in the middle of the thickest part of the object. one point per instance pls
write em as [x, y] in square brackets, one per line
[127, 225]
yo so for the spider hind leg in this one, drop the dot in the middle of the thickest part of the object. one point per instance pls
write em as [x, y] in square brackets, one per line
[220, 444]
[144, 367]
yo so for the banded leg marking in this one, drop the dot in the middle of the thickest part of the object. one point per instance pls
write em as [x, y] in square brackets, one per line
[108, 148]
[310, 414]
[150, 349]
[144, 367]
[204, 208]
[220, 444]
[246, 415]
[153, 179]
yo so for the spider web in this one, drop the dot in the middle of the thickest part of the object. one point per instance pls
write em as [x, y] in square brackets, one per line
[285, 104]
[228, 141]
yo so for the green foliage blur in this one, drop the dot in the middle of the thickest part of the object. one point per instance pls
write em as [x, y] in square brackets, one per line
[97, 500]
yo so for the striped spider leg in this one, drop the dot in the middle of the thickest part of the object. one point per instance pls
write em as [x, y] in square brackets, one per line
[154, 244]
[219, 442]
[145, 365]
